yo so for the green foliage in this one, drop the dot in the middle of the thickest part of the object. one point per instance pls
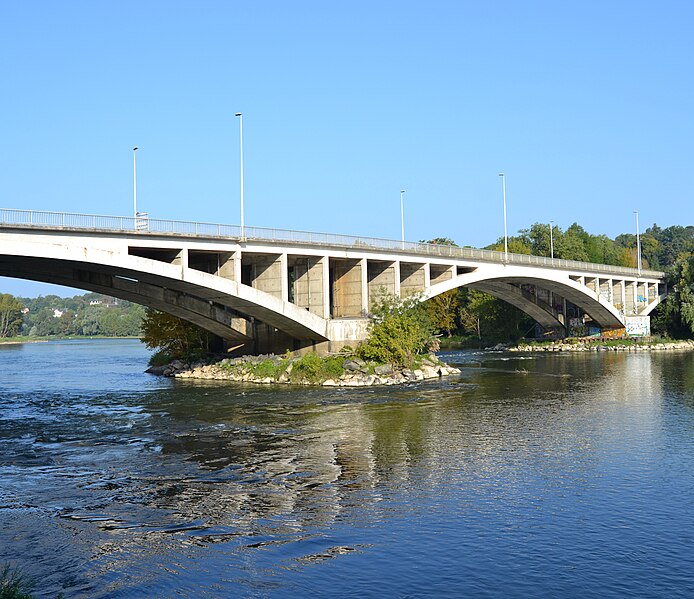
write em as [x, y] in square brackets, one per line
[88, 314]
[269, 368]
[173, 336]
[10, 315]
[311, 368]
[442, 310]
[160, 358]
[399, 330]
[490, 318]
[307, 368]
[13, 584]
[675, 316]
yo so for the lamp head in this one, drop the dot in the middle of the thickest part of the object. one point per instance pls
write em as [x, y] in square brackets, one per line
[238, 114]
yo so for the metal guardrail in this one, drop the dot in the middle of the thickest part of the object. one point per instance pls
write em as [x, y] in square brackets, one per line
[142, 224]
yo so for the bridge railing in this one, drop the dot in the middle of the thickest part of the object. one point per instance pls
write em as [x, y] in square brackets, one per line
[142, 224]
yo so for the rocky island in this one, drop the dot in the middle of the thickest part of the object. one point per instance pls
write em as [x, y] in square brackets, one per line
[309, 369]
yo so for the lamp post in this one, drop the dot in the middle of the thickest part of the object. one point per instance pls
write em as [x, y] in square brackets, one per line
[243, 228]
[135, 185]
[638, 242]
[503, 186]
[551, 239]
[402, 218]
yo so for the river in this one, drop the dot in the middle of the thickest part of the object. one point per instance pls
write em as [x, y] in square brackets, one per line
[543, 476]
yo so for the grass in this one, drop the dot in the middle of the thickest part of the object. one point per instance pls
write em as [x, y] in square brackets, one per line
[13, 584]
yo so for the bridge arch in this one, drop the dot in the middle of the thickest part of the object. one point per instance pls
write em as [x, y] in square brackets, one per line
[502, 281]
[221, 306]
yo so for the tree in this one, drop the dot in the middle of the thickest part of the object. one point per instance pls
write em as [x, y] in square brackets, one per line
[442, 310]
[675, 316]
[400, 329]
[10, 315]
[175, 338]
[492, 318]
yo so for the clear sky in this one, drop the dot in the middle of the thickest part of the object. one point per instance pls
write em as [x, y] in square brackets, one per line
[586, 106]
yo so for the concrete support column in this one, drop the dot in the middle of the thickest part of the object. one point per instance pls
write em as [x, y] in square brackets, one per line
[285, 277]
[325, 269]
[181, 258]
[382, 278]
[364, 267]
[624, 296]
[427, 276]
[237, 267]
[226, 266]
[396, 283]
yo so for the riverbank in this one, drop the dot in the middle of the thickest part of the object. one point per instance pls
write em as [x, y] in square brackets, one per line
[615, 345]
[310, 369]
[19, 340]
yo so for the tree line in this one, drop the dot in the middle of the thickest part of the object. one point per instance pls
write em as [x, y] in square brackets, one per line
[91, 314]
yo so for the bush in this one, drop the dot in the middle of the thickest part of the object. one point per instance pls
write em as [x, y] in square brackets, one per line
[311, 368]
[269, 368]
[400, 330]
[176, 338]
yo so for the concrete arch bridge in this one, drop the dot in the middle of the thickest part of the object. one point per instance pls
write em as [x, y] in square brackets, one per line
[270, 289]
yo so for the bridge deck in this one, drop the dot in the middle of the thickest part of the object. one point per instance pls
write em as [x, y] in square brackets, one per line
[84, 223]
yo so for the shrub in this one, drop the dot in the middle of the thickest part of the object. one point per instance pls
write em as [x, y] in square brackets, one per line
[175, 337]
[399, 331]
[269, 368]
[312, 368]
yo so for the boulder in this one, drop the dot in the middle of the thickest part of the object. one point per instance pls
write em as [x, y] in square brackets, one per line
[384, 369]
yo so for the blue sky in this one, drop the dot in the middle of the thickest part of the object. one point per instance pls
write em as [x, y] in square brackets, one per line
[586, 106]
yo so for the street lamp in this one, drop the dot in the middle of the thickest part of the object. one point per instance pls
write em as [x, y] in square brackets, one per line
[551, 239]
[402, 218]
[238, 114]
[135, 184]
[503, 185]
[638, 242]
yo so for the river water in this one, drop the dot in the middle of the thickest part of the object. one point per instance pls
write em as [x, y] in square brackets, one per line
[543, 476]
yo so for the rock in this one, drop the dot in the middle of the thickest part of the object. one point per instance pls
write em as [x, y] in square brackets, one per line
[329, 383]
[156, 370]
[418, 375]
[429, 372]
[351, 365]
[385, 369]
